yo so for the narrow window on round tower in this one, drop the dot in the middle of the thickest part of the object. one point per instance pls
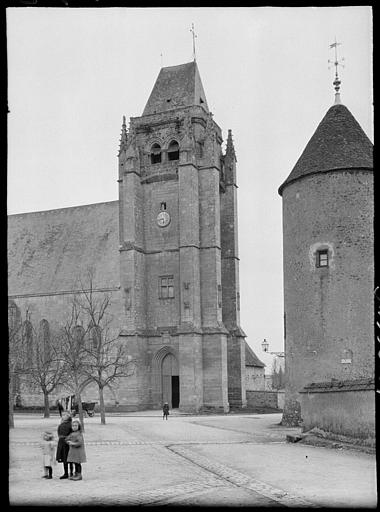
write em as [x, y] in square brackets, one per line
[155, 154]
[322, 258]
[173, 150]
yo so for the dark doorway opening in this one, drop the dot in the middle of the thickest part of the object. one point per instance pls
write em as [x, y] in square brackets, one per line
[170, 381]
[175, 391]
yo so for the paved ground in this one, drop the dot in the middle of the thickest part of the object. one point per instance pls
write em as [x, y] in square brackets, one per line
[236, 460]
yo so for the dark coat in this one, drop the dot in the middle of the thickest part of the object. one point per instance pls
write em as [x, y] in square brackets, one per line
[165, 409]
[64, 429]
[77, 452]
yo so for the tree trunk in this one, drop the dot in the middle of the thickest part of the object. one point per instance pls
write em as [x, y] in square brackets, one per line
[10, 402]
[102, 408]
[80, 409]
[46, 405]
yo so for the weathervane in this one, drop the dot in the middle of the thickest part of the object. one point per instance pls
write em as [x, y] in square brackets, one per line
[336, 63]
[194, 36]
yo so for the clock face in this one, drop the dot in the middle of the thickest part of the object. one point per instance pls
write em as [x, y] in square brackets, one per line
[163, 219]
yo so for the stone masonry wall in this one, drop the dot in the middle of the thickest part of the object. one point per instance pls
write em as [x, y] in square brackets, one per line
[348, 410]
[262, 399]
[328, 311]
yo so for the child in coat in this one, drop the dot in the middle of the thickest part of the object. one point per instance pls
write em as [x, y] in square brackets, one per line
[64, 429]
[77, 453]
[48, 452]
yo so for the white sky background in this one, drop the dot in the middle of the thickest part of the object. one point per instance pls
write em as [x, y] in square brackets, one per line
[73, 74]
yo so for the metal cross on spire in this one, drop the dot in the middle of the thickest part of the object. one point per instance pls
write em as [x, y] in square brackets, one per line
[336, 63]
[194, 36]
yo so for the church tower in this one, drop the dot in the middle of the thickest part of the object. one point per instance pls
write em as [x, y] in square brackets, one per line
[178, 251]
[328, 251]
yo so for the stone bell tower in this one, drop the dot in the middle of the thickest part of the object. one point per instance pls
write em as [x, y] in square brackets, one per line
[178, 273]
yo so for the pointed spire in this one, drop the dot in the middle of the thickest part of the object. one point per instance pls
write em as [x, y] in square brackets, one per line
[176, 87]
[336, 84]
[336, 63]
[194, 36]
[124, 137]
[230, 149]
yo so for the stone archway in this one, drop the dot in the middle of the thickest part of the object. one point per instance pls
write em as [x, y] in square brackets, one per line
[170, 381]
[165, 369]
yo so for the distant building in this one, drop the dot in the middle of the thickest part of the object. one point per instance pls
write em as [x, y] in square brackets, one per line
[328, 251]
[274, 367]
[264, 372]
[254, 371]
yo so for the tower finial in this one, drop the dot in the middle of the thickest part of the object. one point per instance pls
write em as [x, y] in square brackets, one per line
[336, 63]
[194, 36]
[230, 149]
[124, 137]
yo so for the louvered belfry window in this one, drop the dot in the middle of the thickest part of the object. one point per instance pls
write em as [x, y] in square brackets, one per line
[155, 154]
[173, 150]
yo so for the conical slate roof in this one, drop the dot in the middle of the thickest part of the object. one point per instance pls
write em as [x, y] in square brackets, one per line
[175, 87]
[338, 143]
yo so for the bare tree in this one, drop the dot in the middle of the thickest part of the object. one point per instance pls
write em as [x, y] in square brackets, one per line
[73, 353]
[106, 359]
[278, 377]
[48, 370]
[16, 356]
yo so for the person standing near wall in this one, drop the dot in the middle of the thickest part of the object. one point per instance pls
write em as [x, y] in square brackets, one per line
[60, 407]
[165, 411]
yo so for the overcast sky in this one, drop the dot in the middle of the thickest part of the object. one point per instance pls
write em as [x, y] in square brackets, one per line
[73, 74]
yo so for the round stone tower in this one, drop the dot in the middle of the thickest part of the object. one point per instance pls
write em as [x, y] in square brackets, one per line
[328, 257]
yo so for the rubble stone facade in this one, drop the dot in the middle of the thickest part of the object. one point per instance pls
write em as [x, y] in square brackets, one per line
[328, 241]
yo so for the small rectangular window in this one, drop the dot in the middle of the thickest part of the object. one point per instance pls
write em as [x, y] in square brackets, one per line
[323, 258]
[166, 287]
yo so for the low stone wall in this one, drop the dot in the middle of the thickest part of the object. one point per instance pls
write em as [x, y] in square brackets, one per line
[262, 399]
[340, 407]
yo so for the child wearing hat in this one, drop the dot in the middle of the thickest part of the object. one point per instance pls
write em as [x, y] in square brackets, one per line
[77, 453]
[48, 454]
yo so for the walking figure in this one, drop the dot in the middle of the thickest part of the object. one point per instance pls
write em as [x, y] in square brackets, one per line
[48, 449]
[60, 407]
[165, 411]
[77, 453]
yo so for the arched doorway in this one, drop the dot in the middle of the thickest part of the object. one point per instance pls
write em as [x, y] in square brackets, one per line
[170, 381]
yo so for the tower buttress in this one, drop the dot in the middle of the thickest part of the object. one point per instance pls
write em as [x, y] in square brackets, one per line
[131, 228]
[230, 280]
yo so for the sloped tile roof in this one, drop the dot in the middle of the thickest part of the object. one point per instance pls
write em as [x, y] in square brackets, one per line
[338, 143]
[49, 250]
[251, 358]
[175, 87]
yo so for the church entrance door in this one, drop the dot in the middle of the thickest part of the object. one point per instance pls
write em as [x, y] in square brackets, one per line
[170, 381]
